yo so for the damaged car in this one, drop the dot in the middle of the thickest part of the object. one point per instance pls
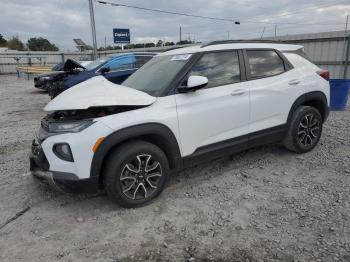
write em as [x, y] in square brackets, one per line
[41, 80]
[185, 106]
[115, 68]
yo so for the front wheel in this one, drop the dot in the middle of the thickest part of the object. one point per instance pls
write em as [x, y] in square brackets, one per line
[305, 130]
[136, 173]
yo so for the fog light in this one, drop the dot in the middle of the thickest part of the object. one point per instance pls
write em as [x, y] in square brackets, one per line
[63, 152]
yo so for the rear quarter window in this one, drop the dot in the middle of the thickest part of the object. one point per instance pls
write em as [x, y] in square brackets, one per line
[264, 63]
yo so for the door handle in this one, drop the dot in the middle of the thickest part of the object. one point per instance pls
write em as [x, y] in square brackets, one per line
[237, 92]
[294, 82]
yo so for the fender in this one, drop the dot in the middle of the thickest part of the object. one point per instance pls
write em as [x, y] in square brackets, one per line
[315, 98]
[156, 133]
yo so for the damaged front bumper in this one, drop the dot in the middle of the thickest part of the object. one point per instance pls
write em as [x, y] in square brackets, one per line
[59, 181]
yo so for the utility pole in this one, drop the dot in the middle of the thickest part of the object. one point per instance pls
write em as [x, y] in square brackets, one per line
[180, 35]
[93, 30]
[228, 35]
[275, 31]
[105, 42]
[346, 48]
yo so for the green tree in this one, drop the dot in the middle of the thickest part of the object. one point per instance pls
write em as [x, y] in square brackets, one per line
[41, 44]
[169, 43]
[15, 43]
[150, 45]
[184, 42]
[3, 42]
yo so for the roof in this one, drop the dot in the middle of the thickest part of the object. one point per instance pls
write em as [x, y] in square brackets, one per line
[132, 53]
[235, 45]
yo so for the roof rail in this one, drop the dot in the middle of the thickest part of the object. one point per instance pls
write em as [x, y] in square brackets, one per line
[220, 42]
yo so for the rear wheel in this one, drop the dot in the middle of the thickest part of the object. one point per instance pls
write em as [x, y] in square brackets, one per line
[136, 173]
[305, 130]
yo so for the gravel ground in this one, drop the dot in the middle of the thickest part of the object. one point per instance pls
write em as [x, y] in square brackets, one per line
[265, 204]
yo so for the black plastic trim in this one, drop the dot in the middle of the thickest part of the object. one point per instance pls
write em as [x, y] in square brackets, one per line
[157, 133]
[309, 97]
[234, 145]
[221, 42]
[71, 183]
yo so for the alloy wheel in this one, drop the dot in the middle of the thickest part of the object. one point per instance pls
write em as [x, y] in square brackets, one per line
[141, 177]
[309, 130]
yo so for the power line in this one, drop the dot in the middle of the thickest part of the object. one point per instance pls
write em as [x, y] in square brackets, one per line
[166, 12]
[236, 21]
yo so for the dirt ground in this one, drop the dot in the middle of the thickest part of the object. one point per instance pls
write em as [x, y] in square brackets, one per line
[265, 204]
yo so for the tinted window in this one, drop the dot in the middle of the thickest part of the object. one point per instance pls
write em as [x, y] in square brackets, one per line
[123, 63]
[264, 63]
[141, 60]
[221, 68]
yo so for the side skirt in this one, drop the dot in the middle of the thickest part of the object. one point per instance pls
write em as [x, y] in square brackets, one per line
[235, 145]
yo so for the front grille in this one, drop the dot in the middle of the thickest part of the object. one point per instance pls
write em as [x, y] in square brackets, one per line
[38, 158]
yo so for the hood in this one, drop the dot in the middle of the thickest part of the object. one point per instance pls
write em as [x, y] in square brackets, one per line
[51, 73]
[97, 92]
[71, 64]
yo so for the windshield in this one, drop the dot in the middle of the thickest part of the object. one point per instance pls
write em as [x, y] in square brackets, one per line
[157, 74]
[96, 63]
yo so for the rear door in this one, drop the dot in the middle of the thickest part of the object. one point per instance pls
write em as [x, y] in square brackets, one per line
[211, 117]
[274, 86]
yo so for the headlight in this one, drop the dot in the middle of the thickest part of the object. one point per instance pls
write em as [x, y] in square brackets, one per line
[69, 127]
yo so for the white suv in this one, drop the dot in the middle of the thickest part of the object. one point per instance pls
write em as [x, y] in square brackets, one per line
[183, 107]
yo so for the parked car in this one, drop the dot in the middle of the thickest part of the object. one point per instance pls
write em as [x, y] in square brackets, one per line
[41, 80]
[183, 107]
[116, 69]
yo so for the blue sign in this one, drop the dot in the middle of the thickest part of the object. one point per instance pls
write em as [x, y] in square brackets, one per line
[121, 36]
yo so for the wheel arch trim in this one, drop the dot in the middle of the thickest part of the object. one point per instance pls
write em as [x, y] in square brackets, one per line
[156, 130]
[308, 97]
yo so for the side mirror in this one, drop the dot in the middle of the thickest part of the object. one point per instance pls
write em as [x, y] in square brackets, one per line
[104, 70]
[193, 83]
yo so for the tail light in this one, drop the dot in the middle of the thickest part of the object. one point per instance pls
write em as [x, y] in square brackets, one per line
[324, 74]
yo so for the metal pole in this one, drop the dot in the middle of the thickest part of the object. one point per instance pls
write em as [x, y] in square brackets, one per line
[275, 31]
[347, 58]
[346, 50]
[180, 35]
[93, 30]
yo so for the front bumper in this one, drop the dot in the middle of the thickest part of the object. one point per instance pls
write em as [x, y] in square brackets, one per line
[60, 181]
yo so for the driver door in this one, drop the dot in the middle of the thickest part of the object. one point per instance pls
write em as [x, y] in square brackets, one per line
[212, 118]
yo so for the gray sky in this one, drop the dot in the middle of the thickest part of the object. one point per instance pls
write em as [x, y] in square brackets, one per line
[62, 20]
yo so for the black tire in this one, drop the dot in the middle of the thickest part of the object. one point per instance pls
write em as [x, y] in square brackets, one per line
[304, 130]
[120, 173]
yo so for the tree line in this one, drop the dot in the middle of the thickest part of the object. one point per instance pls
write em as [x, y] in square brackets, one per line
[42, 44]
[33, 44]
[145, 45]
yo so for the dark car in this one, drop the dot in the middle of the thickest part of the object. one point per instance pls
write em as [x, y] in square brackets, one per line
[116, 69]
[40, 81]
